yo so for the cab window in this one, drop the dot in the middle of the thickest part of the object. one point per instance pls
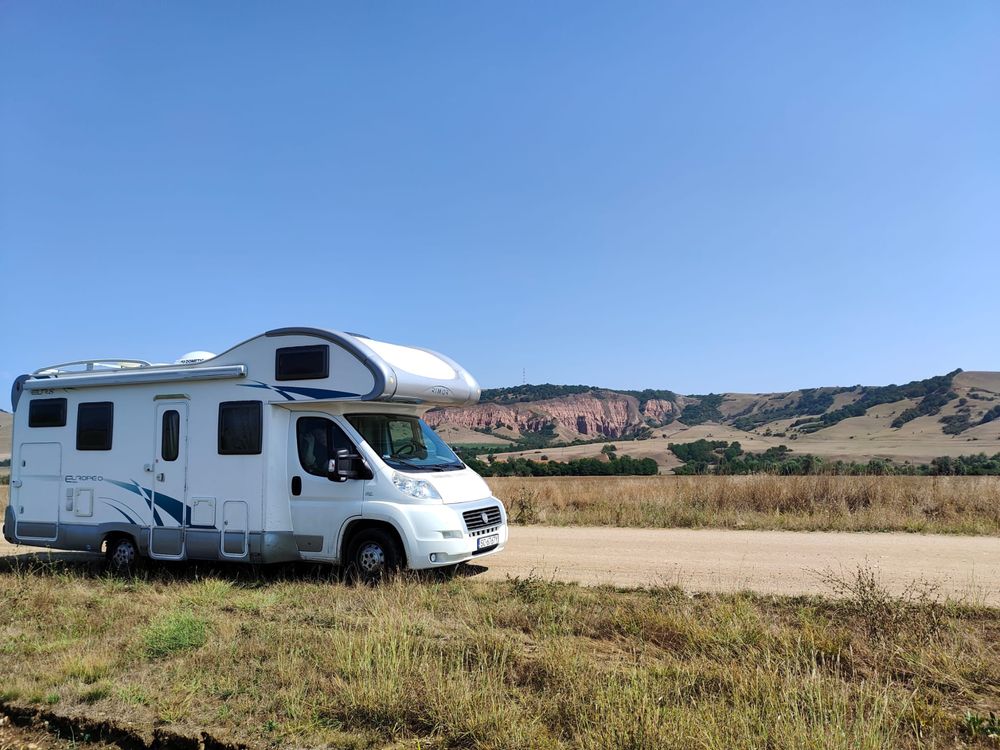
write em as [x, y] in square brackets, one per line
[318, 440]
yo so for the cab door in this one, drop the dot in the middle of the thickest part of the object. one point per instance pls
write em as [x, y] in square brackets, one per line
[320, 507]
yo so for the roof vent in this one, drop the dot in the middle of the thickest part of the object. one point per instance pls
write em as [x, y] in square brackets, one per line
[192, 358]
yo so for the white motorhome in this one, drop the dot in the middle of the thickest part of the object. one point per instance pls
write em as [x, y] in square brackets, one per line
[298, 444]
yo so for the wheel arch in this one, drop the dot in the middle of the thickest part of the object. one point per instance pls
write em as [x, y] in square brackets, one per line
[116, 534]
[357, 525]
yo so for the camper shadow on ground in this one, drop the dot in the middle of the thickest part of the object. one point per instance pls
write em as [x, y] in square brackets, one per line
[92, 565]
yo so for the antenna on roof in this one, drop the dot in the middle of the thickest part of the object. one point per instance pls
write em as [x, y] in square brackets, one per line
[194, 357]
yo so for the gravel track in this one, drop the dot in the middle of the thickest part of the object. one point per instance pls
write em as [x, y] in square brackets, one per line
[769, 562]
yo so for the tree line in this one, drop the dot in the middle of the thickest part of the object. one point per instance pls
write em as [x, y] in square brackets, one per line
[721, 457]
[578, 467]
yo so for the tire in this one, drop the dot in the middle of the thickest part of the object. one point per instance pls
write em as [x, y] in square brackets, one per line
[374, 555]
[123, 554]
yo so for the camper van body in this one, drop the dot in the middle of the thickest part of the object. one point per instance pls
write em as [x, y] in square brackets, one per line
[224, 458]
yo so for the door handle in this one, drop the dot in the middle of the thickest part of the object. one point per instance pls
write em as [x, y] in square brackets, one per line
[159, 477]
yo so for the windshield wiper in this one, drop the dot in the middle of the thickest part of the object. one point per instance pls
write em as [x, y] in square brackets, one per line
[404, 462]
[418, 467]
[426, 467]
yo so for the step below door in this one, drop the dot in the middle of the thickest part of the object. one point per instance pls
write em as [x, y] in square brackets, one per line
[235, 537]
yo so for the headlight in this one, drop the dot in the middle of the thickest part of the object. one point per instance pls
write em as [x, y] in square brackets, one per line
[418, 488]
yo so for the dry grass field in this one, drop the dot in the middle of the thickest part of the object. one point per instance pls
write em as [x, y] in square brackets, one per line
[951, 505]
[958, 505]
[298, 660]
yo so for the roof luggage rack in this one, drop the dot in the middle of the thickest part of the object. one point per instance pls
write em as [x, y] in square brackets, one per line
[91, 365]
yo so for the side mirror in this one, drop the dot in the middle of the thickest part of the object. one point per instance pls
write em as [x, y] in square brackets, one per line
[346, 466]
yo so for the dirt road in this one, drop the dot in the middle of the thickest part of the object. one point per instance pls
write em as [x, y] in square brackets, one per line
[778, 562]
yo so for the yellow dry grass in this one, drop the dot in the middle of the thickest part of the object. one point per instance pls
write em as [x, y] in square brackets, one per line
[960, 505]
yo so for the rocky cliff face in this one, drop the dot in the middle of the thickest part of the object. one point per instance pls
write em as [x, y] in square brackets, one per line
[585, 415]
[660, 411]
[962, 402]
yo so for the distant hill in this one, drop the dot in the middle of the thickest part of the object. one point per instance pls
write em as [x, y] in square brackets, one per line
[950, 414]
[6, 422]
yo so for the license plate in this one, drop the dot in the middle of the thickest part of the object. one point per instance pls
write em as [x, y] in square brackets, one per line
[488, 541]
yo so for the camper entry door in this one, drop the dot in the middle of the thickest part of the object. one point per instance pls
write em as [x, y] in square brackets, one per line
[169, 516]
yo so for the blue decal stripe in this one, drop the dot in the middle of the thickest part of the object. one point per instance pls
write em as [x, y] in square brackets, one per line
[131, 487]
[266, 387]
[313, 393]
[134, 487]
[318, 393]
[171, 505]
[127, 516]
[147, 495]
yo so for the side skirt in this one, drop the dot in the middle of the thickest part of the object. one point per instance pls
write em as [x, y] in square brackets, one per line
[200, 544]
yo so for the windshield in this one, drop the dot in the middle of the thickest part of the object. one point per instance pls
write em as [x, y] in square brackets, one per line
[405, 443]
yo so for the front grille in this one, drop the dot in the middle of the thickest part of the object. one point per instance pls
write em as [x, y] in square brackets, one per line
[474, 519]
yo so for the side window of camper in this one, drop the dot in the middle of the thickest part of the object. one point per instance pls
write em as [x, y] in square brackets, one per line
[47, 412]
[318, 440]
[94, 423]
[240, 427]
[170, 435]
[302, 362]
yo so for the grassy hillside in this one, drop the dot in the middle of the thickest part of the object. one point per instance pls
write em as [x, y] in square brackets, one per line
[947, 415]
[6, 423]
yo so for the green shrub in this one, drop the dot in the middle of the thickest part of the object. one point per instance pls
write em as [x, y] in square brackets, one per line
[173, 632]
[706, 410]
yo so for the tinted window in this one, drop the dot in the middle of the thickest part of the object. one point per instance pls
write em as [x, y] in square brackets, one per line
[315, 436]
[302, 362]
[170, 435]
[240, 427]
[93, 426]
[47, 412]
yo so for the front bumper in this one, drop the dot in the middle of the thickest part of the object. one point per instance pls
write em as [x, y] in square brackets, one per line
[428, 547]
[436, 555]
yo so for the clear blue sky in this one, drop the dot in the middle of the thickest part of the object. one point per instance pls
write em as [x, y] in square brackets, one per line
[697, 196]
